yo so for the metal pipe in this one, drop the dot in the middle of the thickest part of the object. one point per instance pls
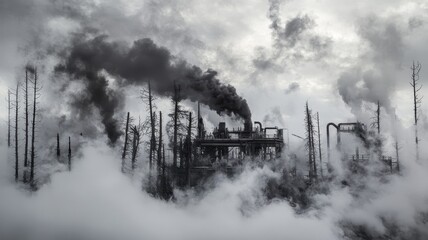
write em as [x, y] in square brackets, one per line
[297, 136]
[266, 128]
[260, 124]
[328, 138]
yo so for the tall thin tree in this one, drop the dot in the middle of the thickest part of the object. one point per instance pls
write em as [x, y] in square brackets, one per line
[189, 149]
[310, 145]
[163, 172]
[69, 153]
[58, 150]
[176, 100]
[16, 134]
[153, 129]
[33, 129]
[378, 117]
[125, 146]
[319, 145]
[417, 100]
[376, 125]
[150, 123]
[8, 117]
[159, 160]
[26, 125]
[136, 140]
[397, 155]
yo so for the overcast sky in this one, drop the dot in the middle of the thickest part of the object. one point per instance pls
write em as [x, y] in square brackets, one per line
[341, 56]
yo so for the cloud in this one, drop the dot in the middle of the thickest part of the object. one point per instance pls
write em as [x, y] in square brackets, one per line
[295, 27]
[294, 86]
[293, 42]
[274, 117]
[373, 77]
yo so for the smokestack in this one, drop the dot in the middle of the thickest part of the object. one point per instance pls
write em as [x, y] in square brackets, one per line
[135, 65]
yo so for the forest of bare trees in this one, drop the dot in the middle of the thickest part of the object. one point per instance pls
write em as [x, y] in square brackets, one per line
[178, 130]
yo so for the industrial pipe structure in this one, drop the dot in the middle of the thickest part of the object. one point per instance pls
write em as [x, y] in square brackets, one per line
[266, 128]
[260, 124]
[328, 133]
[352, 127]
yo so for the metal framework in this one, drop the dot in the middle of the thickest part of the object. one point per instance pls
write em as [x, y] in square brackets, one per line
[240, 143]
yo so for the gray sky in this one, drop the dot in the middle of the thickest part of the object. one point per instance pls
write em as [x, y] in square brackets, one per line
[341, 56]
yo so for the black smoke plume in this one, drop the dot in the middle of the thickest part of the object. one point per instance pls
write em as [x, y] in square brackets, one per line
[143, 61]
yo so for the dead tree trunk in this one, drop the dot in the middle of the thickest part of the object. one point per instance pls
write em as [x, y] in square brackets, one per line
[152, 124]
[378, 117]
[8, 117]
[315, 172]
[397, 155]
[310, 145]
[375, 124]
[189, 150]
[159, 161]
[58, 150]
[125, 144]
[136, 140]
[163, 153]
[319, 144]
[416, 68]
[26, 126]
[380, 150]
[69, 153]
[163, 173]
[181, 153]
[176, 100]
[33, 130]
[16, 135]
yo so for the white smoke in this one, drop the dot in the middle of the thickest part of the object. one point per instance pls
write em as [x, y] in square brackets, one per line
[96, 201]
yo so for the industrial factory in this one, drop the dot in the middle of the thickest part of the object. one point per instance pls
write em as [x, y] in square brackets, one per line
[224, 149]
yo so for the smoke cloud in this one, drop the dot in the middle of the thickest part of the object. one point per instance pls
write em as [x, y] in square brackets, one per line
[96, 201]
[144, 61]
[292, 41]
[294, 86]
[374, 77]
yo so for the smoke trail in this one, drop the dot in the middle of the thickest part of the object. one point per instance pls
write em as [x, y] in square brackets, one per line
[136, 65]
[376, 75]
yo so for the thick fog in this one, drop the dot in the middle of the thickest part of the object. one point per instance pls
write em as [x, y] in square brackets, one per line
[96, 201]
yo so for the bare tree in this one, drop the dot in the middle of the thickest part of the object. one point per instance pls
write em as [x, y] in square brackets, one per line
[319, 144]
[16, 134]
[36, 95]
[8, 117]
[376, 118]
[163, 155]
[176, 128]
[136, 130]
[148, 98]
[417, 99]
[58, 150]
[176, 100]
[397, 155]
[152, 124]
[159, 161]
[69, 153]
[376, 124]
[126, 143]
[188, 149]
[163, 177]
[26, 125]
[310, 145]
